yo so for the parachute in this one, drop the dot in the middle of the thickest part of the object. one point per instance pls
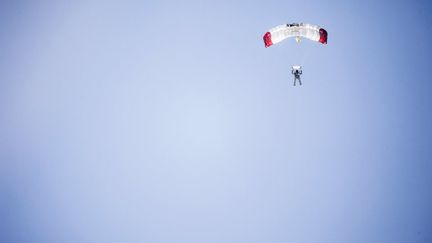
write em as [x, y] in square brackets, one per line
[297, 30]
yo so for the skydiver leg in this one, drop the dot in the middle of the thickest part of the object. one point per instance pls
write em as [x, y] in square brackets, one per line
[295, 81]
[299, 80]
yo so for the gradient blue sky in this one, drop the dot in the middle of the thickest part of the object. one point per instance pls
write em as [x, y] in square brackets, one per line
[168, 121]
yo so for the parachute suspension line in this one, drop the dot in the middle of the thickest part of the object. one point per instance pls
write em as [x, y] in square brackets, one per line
[306, 55]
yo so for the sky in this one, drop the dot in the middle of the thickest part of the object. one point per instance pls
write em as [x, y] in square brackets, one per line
[168, 121]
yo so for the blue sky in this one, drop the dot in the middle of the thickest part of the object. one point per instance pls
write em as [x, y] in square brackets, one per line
[168, 121]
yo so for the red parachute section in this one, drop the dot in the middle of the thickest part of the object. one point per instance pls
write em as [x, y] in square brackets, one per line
[323, 36]
[267, 39]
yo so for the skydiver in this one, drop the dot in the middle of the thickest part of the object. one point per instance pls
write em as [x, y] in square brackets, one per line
[297, 73]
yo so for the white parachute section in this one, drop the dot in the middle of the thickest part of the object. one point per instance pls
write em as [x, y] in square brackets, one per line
[297, 30]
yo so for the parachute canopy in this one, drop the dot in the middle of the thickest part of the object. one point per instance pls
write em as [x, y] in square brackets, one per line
[282, 32]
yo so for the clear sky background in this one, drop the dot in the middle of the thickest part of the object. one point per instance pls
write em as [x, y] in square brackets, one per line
[168, 121]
